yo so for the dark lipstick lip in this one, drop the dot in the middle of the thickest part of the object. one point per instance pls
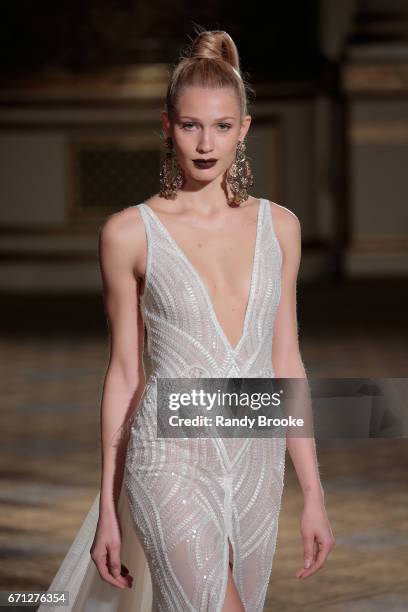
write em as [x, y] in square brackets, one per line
[205, 160]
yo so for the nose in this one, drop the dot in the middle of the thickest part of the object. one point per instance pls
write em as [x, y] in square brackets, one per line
[205, 143]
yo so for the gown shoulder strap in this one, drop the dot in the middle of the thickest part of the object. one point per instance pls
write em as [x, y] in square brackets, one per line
[271, 227]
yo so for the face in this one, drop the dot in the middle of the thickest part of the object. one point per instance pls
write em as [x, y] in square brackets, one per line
[206, 126]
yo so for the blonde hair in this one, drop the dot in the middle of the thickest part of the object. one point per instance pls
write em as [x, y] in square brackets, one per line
[211, 61]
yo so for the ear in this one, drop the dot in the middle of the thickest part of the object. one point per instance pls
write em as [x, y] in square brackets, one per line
[245, 126]
[166, 124]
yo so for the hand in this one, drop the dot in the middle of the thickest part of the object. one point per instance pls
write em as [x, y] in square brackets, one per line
[105, 553]
[318, 540]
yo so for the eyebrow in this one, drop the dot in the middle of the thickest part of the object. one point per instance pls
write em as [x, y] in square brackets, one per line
[196, 119]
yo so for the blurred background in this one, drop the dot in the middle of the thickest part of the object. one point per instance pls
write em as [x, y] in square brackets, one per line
[82, 86]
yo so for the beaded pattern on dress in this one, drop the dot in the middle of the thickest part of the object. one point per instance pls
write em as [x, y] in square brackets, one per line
[189, 497]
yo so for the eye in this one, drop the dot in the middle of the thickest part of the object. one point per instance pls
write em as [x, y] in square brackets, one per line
[225, 126]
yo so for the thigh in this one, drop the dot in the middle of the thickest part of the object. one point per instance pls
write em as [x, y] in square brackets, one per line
[178, 517]
[257, 487]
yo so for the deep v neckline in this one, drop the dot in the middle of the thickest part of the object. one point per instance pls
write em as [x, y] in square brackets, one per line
[197, 276]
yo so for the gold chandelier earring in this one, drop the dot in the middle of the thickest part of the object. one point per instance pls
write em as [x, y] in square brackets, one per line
[240, 176]
[171, 174]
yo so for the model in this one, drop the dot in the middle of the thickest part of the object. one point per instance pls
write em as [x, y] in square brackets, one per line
[184, 525]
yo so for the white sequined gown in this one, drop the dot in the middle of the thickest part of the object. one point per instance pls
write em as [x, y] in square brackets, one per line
[188, 498]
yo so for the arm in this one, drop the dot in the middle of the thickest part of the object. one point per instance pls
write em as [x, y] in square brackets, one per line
[121, 243]
[287, 363]
[124, 379]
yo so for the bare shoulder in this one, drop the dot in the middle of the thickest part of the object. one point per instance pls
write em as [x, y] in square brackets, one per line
[287, 228]
[122, 235]
[285, 221]
[121, 226]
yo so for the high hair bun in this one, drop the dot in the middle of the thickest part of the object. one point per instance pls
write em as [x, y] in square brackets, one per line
[215, 45]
